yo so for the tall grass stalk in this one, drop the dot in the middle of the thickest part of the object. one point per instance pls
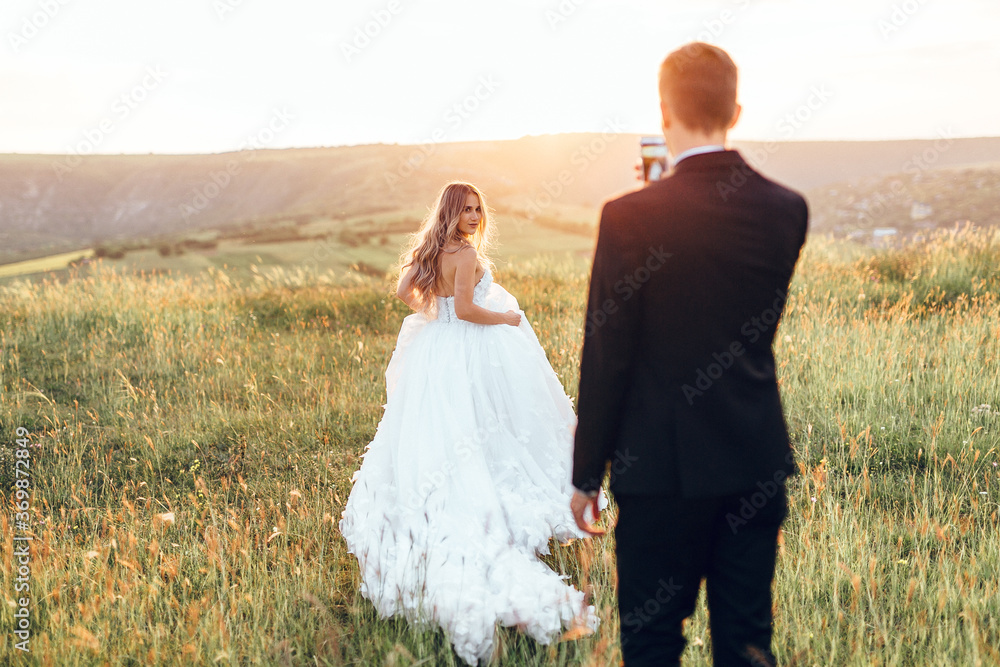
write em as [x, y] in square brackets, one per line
[193, 441]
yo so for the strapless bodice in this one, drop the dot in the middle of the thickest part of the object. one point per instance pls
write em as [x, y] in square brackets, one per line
[446, 304]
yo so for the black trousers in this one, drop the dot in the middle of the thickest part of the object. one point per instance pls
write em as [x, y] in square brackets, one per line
[667, 545]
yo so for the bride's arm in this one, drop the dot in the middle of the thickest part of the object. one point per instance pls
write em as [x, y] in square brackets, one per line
[465, 285]
[405, 290]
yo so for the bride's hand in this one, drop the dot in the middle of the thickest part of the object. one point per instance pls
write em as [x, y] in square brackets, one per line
[512, 317]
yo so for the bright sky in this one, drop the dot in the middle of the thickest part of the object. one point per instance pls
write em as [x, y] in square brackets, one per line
[201, 76]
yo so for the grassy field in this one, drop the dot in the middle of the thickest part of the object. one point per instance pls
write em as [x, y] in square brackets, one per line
[192, 438]
[345, 246]
[47, 264]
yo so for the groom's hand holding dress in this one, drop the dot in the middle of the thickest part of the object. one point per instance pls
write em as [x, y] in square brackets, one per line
[579, 504]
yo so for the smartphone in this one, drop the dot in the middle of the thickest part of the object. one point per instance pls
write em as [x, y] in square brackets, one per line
[654, 158]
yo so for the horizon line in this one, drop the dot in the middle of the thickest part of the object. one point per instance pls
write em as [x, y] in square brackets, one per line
[479, 141]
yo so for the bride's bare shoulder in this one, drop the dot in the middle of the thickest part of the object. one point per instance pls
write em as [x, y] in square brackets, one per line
[459, 255]
[458, 247]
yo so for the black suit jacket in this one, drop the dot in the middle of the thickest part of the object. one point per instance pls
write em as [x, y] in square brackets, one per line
[678, 391]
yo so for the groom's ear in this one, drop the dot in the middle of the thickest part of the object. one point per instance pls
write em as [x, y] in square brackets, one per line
[667, 116]
[736, 116]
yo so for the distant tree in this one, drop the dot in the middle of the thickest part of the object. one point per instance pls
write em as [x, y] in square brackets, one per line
[109, 252]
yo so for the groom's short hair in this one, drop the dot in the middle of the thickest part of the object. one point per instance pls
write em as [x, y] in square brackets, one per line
[698, 81]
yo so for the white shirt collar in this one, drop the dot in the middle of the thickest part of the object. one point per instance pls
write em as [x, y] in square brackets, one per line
[697, 150]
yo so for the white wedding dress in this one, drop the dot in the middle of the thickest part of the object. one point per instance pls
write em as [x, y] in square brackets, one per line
[467, 478]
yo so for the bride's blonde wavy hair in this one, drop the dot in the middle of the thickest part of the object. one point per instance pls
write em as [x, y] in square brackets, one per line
[439, 228]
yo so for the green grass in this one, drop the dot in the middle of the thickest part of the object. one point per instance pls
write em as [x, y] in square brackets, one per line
[241, 405]
[45, 264]
[347, 247]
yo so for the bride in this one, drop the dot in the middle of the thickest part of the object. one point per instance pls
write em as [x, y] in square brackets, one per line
[468, 476]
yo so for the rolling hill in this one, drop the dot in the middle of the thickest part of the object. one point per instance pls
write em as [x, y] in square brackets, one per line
[52, 204]
[910, 202]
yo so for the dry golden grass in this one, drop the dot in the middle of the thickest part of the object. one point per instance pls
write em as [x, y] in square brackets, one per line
[193, 440]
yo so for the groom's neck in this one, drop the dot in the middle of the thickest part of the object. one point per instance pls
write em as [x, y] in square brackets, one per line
[680, 139]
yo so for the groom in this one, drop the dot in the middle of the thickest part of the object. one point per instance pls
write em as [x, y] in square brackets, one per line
[678, 394]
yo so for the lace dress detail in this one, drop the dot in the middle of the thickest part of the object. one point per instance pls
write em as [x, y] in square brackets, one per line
[466, 481]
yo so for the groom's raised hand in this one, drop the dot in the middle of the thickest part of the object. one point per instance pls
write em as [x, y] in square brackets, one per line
[578, 504]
